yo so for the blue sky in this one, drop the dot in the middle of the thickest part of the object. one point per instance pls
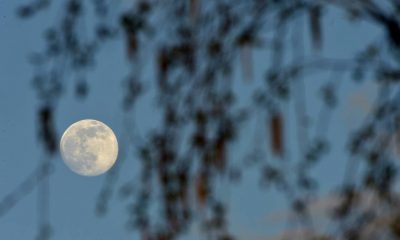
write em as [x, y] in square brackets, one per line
[73, 198]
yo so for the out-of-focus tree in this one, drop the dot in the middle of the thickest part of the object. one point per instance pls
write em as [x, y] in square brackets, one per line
[195, 46]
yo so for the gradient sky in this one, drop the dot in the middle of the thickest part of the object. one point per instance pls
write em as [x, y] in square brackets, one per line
[73, 197]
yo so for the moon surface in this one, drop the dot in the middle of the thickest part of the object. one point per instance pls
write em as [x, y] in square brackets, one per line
[89, 147]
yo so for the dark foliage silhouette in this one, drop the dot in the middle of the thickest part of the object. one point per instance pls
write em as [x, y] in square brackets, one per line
[195, 47]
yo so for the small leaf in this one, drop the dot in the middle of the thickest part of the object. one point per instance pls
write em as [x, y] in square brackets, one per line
[329, 95]
[276, 129]
[74, 7]
[47, 131]
[219, 154]
[201, 186]
[131, 44]
[25, 11]
[194, 10]
[81, 89]
[164, 63]
[315, 26]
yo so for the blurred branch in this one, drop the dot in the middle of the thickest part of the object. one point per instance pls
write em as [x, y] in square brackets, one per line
[194, 47]
[37, 176]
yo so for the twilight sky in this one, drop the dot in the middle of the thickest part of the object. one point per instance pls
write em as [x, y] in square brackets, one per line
[73, 197]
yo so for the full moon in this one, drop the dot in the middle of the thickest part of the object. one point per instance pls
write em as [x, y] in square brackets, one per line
[89, 147]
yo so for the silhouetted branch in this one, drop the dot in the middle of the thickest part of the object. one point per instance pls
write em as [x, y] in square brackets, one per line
[38, 175]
